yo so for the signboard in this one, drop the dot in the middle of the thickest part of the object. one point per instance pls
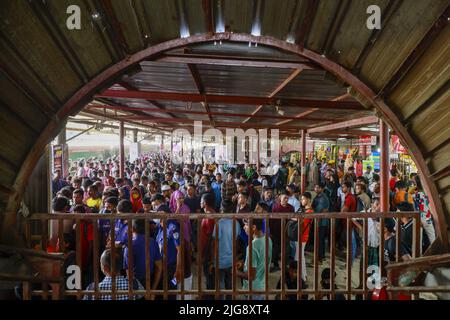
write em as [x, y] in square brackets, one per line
[134, 151]
[57, 151]
[397, 146]
[375, 157]
[367, 140]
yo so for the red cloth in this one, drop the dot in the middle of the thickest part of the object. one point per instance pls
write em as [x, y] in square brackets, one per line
[350, 202]
[359, 169]
[206, 230]
[392, 182]
[136, 203]
[87, 235]
[306, 227]
[275, 224]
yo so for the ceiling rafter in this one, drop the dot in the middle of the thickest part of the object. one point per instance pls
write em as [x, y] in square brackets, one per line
[280, 87]
[302, 115]
[345, 124]
[242, 100]
[200, 88]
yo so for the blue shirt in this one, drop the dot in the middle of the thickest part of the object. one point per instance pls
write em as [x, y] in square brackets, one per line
[104, 226]
[320, 203]
[173, 240]
[226, 241]
[138, 251]
[217, 188]
[121, 232]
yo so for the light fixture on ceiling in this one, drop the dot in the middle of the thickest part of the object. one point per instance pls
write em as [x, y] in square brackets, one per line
[278, 108]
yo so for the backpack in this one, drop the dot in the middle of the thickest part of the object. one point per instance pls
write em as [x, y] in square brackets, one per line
[405, 203]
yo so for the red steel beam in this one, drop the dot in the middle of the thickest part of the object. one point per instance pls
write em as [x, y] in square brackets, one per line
[227, 124]
[305, 113]
[346, 124]
[303, 161]
[213, 113]
[122, 149]
[195, 97]
[384, 164]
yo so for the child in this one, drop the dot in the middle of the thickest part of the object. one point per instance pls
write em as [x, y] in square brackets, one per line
[291, 282]
[106, 283]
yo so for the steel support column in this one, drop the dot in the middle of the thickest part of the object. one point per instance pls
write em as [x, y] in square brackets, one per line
[122, 149]
[384, 166]
[303, 161]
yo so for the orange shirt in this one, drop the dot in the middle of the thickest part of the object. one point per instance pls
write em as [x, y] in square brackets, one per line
[400, 197]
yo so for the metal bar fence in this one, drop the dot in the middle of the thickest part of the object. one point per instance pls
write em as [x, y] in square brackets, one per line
[81, 221]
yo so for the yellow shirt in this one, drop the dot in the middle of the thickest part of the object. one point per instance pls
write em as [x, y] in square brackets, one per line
[94, 203]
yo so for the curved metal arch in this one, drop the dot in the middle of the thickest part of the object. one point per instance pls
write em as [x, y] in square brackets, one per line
[85, 94]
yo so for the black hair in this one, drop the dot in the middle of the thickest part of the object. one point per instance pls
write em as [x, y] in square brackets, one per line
[258, 223]
[114, 192]
[209, 200]
[227, 206]
[118, 180]
[418, 182]
[393, 172]
[124, 206]
[113, 200]
[147, 200]
[157, 197]
[245, 194]
[60, 203]
[264, 205]
[348, 184]
[87, 183]
[66, 192]
[79, 208]
[78, 191]
[321, 185]
[389, 224]
[376, 177]
[400, 184]
[139, 226]
[307, 195]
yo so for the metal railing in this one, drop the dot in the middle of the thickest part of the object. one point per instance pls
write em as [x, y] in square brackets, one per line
[47, 220]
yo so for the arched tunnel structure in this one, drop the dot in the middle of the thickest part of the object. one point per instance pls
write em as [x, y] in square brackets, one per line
[399, 72]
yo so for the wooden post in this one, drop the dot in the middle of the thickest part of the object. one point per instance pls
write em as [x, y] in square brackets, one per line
[122, 149]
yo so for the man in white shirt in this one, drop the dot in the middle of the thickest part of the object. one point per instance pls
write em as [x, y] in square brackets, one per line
[293, 201]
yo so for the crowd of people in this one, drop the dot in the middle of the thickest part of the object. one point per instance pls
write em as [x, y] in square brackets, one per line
[152, 184]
